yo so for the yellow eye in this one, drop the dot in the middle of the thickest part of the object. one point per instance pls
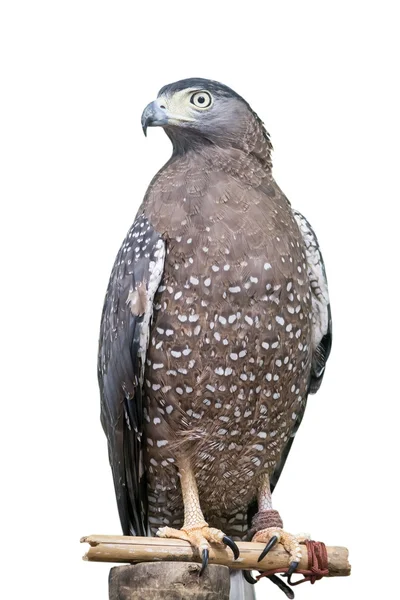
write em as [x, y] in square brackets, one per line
[201, 99]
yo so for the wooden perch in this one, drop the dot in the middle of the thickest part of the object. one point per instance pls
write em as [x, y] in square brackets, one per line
[125, 549]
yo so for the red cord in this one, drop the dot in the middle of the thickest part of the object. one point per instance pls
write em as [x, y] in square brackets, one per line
[317, 564]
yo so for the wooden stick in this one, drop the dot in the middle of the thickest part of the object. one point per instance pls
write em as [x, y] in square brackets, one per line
[125, 549]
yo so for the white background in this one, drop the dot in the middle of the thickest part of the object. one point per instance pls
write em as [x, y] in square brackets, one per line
[75, 78]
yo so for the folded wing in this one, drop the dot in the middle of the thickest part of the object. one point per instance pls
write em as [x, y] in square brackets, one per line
[124, 335]
[321, 325]
[321, 308]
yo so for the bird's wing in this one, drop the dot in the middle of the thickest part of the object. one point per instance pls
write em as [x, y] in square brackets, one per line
[321, 308]
[124, 336]
[321, 325]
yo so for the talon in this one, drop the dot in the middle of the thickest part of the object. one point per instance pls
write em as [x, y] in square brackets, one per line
[231, 544]
[282, 586]
[249, 578]
[268, 547]
[200, 536]
[289, 542]
[204, 560]
[292, 567]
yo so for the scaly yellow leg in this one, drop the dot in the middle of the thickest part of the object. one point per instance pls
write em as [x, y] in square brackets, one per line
[268, 524]
[195, 529]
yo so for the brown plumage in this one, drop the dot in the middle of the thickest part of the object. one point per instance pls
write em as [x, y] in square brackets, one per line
[234, 250]
[236, 320]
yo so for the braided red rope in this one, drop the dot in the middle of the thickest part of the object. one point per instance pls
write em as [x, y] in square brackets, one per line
[317, 564]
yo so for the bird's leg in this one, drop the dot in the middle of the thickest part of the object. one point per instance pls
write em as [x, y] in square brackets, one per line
[195, 529]
[268, 528]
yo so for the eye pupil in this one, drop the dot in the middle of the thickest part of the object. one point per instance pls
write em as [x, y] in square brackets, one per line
[201, 99]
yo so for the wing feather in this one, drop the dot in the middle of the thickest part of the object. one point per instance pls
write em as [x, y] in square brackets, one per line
[321, 326]
[321, 308]
[124, 335]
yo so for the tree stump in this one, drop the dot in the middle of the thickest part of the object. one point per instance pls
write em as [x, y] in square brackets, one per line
[169, 581]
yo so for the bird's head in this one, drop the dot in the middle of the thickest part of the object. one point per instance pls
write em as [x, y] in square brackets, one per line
[199, 111]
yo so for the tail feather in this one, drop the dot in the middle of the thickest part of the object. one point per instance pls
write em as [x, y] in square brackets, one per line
[240, 589]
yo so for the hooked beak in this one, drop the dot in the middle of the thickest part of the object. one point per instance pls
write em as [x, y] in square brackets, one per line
[154, 116]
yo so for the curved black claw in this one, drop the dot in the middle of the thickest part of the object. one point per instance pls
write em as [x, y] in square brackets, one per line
[229, 542]
[292, 568]
[249, 577]
[204, 560]
[282, 586]
[268, 547]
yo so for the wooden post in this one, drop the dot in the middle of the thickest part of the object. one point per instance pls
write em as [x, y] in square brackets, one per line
[169, 581]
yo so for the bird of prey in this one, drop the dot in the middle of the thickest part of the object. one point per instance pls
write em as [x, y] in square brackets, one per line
[216, 326]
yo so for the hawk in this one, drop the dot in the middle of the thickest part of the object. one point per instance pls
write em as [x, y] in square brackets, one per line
[216, 326]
